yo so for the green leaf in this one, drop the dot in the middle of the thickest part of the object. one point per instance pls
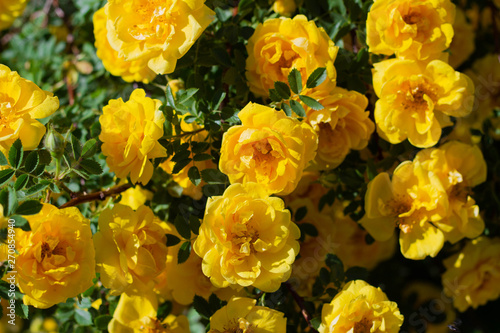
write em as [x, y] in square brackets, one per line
[181, 165]
[89, 148]
[213, 176]
[194, 223]
[11, 204]
[21, 222]
[187, 95]
[21, 182]
[315, 322]
[297, 108]
[83, 317]
[300, 213]
[311, 102]
[275, 97]
[182, 227]
[172, 240]
[202, 306]
[44, 157]
[22, 310]
[202, 157]
[29, 207]
[6, 175]
[287, 109]
[356, 273]
[217, 99]
[16, 154]
[91, 167]
[170, 97]
[194, 175]
[31, 162]
[102, 322]
[76, 147]
[295, 81]
[282, 89]
[3, 159]
[308, 229]
[184, 252]
[37, 188]
[316, 78]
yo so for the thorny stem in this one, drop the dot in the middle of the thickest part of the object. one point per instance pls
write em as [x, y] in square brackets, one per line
[300, 303]
[100, 195]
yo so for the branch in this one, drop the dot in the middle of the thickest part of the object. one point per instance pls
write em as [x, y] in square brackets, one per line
[101, 195]
[300, 303]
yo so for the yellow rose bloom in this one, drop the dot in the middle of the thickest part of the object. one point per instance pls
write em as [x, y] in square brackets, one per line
[360, 307]
[417, 100]
[155, 31]
[137, 314]
[135, 197]
[269, 148]
[343, 124]
[462, 45]
[433, 310]
[181, 282]
[55, 261]
[130, 249]
[130, 132]
[279, 45]
[21, 103]
[130, 71]
[182, 177]
[247, 239]
[285, 7]
[9, 11]
[413, 30]
[459, 167]
[242, 315]
[472, 276]
[411, 201]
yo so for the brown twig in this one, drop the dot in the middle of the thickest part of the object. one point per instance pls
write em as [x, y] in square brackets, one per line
[101, 195]
[300, 303]
[186, 134]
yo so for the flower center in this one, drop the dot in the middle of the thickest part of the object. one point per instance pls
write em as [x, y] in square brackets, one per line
[262, 151]
[412, 17]
[415, 96]
[155, 326]
[243, 238]
[7, 114]
[154, 19]
[240, 325]
[47, 252]
[362, 326]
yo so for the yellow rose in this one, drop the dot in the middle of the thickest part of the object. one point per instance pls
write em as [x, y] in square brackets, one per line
[416, 100]
[181, 282]
[360, 307]
[136, 314]
[285, 7]
[462, 45]
[9, 11]
[130, 249]
[21, 103]
[485, 73]
[158, 32]
[135, 197]
[459, 167]
[411, 201]
[343, 124]
[432, 310]
[130, 132]
[247, 239]
[269, 148]
[182, 177]
[472, 276]
[133, 70]
[279, 45]
[55, 261]
[242, 315]
[413, 30]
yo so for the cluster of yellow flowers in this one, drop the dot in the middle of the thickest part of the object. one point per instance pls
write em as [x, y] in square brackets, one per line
[428, 199]
[418, 91]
